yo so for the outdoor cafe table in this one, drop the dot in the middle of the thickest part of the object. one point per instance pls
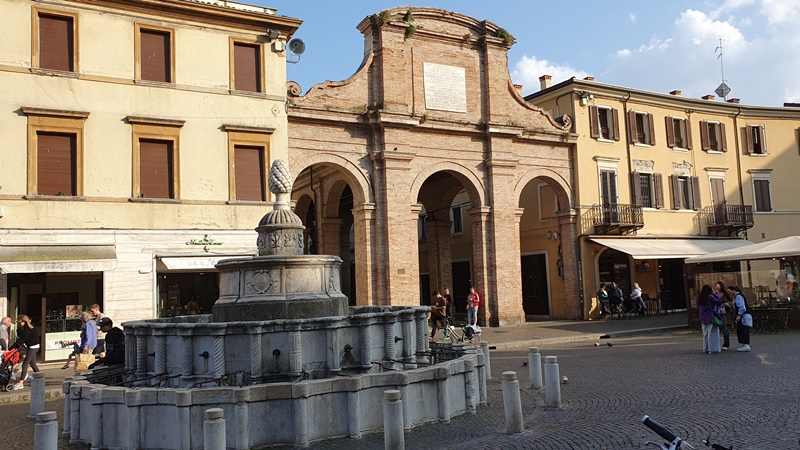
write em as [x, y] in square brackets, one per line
[770, 320]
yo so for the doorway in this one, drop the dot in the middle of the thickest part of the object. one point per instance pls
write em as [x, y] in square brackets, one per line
[535, 298]
[462, 280]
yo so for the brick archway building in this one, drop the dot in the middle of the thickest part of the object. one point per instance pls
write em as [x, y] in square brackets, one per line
[431, 123]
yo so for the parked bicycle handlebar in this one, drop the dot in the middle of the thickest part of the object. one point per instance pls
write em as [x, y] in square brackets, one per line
[659, 429]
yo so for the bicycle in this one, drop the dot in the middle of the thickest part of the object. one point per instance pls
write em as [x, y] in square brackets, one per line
[452, 333]
[674, 441]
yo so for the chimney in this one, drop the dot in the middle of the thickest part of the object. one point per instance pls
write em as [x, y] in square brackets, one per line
[708, 97]
[588, 78]
[518, 88]
[733, 100]
[675, 92]
[544, 82]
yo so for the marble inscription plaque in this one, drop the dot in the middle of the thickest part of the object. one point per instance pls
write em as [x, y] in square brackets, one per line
[445, 87]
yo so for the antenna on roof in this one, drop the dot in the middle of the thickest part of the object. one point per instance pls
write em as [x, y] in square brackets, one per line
[723, 90]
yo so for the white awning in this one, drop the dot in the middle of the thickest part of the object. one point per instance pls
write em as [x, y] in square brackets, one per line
[196, 262]
[57, 258]
[672, 248]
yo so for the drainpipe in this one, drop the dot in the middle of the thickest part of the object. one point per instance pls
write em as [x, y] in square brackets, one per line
[628, 137]
[316, 208]
[738, 161]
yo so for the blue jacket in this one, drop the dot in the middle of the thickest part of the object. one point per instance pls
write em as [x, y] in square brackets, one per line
[89, 335]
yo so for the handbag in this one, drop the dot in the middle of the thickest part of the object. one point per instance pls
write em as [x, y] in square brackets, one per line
[82, 361]
[717, 321]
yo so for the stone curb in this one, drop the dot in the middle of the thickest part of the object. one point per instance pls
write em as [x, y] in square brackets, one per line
[525, 343]
[25, 396]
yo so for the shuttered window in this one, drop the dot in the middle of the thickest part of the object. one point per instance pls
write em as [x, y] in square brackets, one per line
[763, 200]
[641, 128]
[755, 140]
[246, 67]
[603, 123]
[155, 52]
[56, 43]
[156, 179]
[56, 164]
[249, 173]
[679, 133]
[648, 190]
[712, 136]
[685, 192]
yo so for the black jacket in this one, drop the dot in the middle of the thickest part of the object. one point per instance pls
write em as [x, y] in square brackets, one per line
[26, 337]
[115, 349]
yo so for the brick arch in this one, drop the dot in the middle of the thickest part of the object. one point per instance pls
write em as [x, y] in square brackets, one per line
[301, 206]
[560, 186]
[468, 179]
[359, 184]
[333, 197]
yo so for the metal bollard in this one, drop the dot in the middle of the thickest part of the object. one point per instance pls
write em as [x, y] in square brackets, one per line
[214, 430]
[485, 348]
[535, 367]
[37, 395]
[512, 403]
[45, 432]
[393, 436]
[552, 382]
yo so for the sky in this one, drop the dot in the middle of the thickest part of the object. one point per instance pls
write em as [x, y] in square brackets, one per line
[655, 45]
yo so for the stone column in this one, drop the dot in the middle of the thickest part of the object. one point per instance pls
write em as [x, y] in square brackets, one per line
[354, 408]
[133, 403]
[67, 410]
[130, 352]
[96, 397]
[218, 333]
[183, 404]
[141, 351]
[214, 430]
[186, 332]
[471, 384]
[393, 430]
[408, 343]
[389, 345]
[487, 313]
[364, 233]
[567, 239]
[442, 395]
[160, 335]
[364, 344]
[242, 420]
[256, 354]
[512, 403]
[300, 393]
[45, 432]
[421, 322]
[37, 395]
[295, 354]
[332, 335]
[75, 409]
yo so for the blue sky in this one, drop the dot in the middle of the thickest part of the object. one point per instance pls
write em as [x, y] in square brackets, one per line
[655, 45]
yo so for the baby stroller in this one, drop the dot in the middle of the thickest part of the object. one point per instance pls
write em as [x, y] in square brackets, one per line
[10, 359]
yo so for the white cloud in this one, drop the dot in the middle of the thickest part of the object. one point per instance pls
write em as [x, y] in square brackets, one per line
[632, 17]
[528, 70]
[781, 11]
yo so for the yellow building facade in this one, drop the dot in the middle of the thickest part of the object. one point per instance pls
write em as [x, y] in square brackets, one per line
[137, 138]
[661, 177]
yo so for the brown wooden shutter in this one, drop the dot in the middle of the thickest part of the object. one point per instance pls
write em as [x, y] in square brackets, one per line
[247, 64]
[658, 188]
[249, 173]
[694, 186]
[688, 126]
[763, 130]
[56, 48]
[155, 169]
[56, 164]
[676, 192]
[615, 127]
[155, 54]
[594, 122]
[632, 135]
[748, 140]
[636, 189]
[670, 131]
[652, 129]
[705, 142]
[722, 137]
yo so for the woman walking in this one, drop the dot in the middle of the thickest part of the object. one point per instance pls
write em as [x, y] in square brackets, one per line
[88, 338]
[743, 318]
[707, 303]
[27, 341]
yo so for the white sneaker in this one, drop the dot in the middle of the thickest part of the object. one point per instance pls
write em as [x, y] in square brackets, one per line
[18, 386]
[724, 348]
[744, 348]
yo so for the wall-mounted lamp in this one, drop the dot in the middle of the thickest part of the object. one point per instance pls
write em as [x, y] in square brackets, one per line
[585, 97]
[644, 266]
[552, 235]
[273, 34]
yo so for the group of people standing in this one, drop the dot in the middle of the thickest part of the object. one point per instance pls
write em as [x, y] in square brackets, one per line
[715, 305]
[98, 337]
[614, 298]
[443, 308]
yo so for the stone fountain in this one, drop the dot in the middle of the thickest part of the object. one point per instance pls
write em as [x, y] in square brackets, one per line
[281, 354]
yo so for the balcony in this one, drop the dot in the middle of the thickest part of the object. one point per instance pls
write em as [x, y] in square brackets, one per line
[732, 219]
[613, 218]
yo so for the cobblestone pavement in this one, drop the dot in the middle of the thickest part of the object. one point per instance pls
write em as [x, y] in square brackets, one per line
[664, 375]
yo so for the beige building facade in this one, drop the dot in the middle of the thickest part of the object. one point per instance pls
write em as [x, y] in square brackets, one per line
[137, 139]
[427, 170]
[661, 177]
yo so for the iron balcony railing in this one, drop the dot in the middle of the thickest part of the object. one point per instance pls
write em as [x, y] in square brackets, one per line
[733, 218]
[617, 216]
